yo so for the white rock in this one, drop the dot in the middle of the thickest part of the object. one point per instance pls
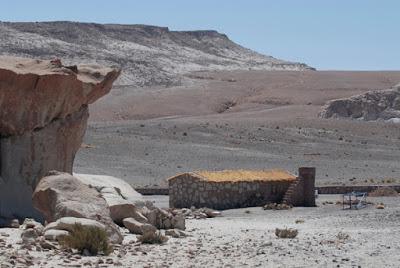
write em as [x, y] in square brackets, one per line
[101, 181]
[67, 224]
[54, 234]
[136, 227]
[120, 197]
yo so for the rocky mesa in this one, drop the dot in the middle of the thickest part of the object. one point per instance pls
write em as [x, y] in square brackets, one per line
[44, 110]
[374, 105]
[148, 55]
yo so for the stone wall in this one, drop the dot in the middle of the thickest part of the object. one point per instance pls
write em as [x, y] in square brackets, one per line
[302, 191]
[187, 190]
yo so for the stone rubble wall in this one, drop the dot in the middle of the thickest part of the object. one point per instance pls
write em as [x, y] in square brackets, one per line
[186, 190]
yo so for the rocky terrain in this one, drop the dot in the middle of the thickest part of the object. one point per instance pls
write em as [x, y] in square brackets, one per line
[374, 105]
[327, 237]
[148, 55]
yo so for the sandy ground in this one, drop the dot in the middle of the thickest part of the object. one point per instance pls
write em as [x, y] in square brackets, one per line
[245, 238]
[249, 120]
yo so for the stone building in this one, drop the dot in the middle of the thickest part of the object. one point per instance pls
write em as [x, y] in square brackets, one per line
[241, 188]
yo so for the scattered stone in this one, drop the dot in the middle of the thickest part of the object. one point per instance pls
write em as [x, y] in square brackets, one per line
[176, 233]
[163, 219]
[47, 244]
[193, 213]
[380, 206]
[29, 236]
[136, 227]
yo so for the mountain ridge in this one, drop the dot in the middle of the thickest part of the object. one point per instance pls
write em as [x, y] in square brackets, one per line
[149, 55]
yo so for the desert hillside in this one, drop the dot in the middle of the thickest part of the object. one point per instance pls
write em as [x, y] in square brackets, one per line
[148, 55]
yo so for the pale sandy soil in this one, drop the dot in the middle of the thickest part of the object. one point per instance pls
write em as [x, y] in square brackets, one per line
[245, 120]
[245, 238]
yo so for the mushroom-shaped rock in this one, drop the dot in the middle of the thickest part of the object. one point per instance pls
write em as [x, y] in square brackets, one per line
[43, 115]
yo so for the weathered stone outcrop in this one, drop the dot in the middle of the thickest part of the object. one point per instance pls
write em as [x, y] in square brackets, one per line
[121, 198]
[44, 109]
[62, 195]
[373, 105]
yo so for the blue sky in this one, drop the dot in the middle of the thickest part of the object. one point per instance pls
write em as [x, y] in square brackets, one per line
[326, 34]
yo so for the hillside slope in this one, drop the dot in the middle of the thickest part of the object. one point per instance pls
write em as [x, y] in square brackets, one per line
[148, 55]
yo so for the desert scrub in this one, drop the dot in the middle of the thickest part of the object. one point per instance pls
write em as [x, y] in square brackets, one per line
[341, 236]
[286, 233]
[383, 191]
[87, 238]
[152, 238]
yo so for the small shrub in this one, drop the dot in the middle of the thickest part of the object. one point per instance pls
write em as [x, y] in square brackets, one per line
[153, 238]
[286, 233]
[87, 238]
[276, 206]
[341, 236]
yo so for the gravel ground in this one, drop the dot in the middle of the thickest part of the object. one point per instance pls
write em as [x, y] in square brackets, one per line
[250, 120]
[328, 237]
[146, 152]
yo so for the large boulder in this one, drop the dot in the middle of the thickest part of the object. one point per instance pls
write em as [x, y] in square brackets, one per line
[43, 115]
[381, 105]
[62, 195]
[121, 198]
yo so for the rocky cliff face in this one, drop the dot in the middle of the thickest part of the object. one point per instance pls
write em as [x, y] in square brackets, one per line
[44, 109]
[148, 55]
[374, 105]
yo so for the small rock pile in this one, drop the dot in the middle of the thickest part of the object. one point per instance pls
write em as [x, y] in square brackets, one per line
[196, 213]
[110, 204]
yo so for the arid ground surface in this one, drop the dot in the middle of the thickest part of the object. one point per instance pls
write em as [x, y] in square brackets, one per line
[248, 120]
[328, 237]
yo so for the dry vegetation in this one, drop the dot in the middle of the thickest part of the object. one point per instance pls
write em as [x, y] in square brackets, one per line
[383, 191]
[286, 233]
[153, 238]
[87, 239]
[246, 175]
[276, 206]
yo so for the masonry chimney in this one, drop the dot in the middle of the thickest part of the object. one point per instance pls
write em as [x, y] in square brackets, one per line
[307, 174]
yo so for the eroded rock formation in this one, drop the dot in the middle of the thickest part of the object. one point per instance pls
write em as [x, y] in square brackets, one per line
[44, 109]
[62, 195]
[373, 105]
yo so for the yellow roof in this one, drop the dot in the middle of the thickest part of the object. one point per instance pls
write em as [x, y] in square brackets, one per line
[246, 175]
